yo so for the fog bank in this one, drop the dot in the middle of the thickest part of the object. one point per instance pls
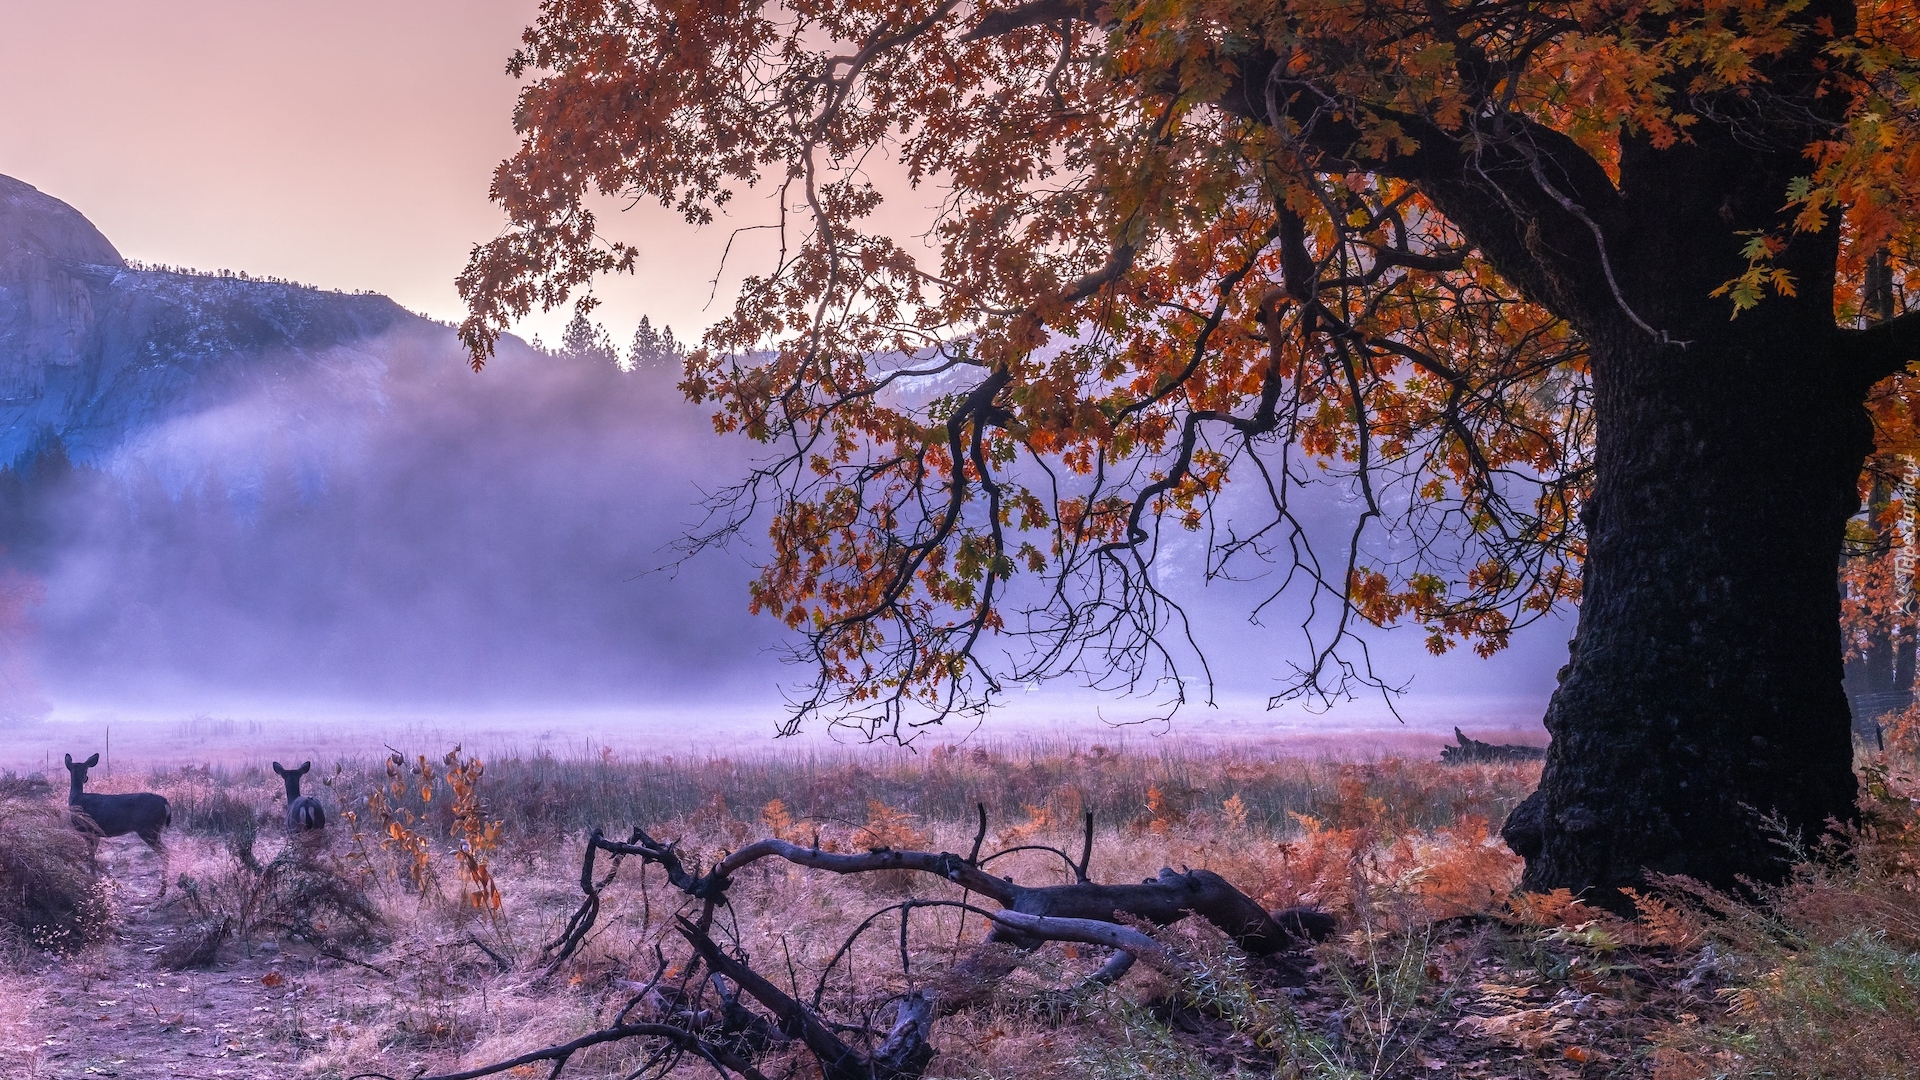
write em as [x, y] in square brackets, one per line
[382, 525]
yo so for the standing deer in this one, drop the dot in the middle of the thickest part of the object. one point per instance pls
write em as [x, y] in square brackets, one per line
[99, 816]
[304, 812]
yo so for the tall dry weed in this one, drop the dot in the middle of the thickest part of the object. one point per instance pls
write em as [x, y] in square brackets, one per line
[478, 837]
[49, 895]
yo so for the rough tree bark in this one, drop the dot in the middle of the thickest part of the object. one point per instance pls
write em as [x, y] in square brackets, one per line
[1704, 688]
[1704, 693]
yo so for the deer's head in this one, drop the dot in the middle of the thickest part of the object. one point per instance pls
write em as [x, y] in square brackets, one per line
[292, 778]
[78, 769]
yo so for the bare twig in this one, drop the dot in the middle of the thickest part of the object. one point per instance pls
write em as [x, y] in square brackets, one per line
[560, 1054]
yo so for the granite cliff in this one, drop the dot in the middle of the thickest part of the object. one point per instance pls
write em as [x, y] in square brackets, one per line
[92, 349]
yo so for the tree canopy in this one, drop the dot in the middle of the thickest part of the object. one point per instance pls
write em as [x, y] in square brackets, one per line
[1188, 247]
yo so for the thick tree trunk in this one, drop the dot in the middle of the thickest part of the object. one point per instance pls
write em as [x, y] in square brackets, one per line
[1704, 694]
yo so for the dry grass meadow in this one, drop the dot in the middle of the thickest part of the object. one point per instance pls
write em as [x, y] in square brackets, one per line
[410, 938]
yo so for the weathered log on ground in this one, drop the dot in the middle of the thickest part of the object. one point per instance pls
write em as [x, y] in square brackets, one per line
[1088, 932]
[1473, 751]
[1081, 911]
[1163, 900]
[1167, 899]
[909, 1046]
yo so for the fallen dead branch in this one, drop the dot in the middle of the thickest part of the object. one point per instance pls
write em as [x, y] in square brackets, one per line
[1163, 900]
[729, 1037]
[677, 1039]
[903, 1056]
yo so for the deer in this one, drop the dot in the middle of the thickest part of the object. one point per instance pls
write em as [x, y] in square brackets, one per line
[304, 812]
[100, 816]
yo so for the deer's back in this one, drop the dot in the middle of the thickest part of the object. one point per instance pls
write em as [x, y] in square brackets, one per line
[116, 815]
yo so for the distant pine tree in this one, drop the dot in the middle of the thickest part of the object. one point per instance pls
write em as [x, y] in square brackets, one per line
[645, 347]
[653, 348]
[585, 339]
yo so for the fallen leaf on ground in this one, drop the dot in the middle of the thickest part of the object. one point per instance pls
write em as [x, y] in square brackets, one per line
[1527, 1029]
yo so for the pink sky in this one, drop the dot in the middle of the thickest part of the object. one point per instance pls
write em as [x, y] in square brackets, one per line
[346, 144]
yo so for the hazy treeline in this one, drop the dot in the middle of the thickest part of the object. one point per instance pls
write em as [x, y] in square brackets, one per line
[384, 524]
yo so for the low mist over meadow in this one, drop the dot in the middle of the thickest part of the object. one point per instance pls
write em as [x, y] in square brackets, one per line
[376, 523]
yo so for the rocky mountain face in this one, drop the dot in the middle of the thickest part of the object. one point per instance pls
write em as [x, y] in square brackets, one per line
[92, 349]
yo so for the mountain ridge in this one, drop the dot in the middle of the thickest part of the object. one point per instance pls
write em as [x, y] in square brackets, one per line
[93, 349]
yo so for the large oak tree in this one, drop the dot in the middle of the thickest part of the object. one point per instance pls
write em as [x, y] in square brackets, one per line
[1568, 293]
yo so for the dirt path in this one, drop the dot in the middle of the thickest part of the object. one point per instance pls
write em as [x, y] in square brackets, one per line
[113, 1011]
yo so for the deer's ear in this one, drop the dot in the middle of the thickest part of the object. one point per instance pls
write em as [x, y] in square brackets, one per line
[92, 761]
[69, 761]
[278, 770]
[305, 768]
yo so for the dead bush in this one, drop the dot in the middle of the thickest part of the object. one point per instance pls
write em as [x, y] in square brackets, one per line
[49, 896]
[32, 787]
[322, 899]
[197, 945]
[304, 892]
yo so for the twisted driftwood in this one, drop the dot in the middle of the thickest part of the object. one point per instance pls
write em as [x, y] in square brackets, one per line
[1162, 900]
[729, 1038]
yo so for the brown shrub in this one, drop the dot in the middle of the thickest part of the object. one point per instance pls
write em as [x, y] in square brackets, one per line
[32, 787]
[49, 896]
[303, 892]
